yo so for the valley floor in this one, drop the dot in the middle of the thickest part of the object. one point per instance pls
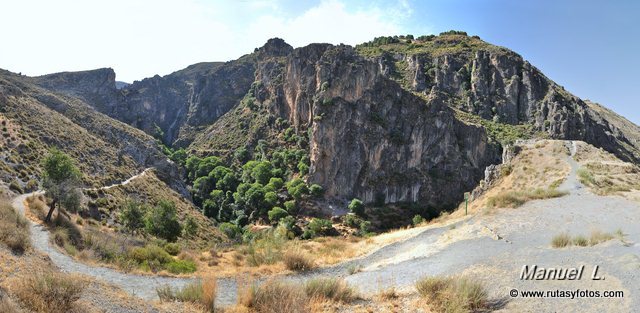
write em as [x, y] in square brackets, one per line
[490, 247]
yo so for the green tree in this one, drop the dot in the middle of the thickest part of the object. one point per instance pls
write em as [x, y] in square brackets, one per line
[132, 216]
[61, 180]
[276, 214]
[316, 190]
[297, 188]
[190, 227]
[162, 221]
[357, 207]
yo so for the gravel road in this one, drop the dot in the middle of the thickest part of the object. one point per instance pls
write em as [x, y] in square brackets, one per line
[493, 248]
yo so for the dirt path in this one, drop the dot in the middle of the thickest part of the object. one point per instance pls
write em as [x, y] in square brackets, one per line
[124, 183]
[493, 248]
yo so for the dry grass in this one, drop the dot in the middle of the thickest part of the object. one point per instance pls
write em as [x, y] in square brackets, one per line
[561, 240]
[333, 289]
[453, 295]
[14, 228]
[388, 294]
[517, 198]
[605, 174]
[297, 260]
[7, 306]
[49, 292]
[275, 296]
[564, 240]
[201, 292]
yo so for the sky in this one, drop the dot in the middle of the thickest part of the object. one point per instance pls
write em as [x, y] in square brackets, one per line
[589, 47]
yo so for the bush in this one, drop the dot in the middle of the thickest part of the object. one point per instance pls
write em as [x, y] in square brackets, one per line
[290, 206]
[298, 261]
[232, 231]
[190, 227]
[132, 216]
[172, 248]
[297, 188]
[417, 220]
[14, 228]
[276, 296]
[202, 292]
[181, 266]
[49, 292]
[316, 190]
[333, 289]
[162, 221]
[320, 227]
[357, 207]
[276, 214]
[453, 294]
[150, 254]
[586, 177]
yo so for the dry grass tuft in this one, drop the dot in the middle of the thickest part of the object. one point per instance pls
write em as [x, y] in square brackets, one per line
[274, 296]
[201, 292]
[517, 198]
[14, 228]
[49, 292]
[561, 240]
[596, 237]
[298, 260]
[599, 237]
[333, 289]
[7, 306]
[453, 294]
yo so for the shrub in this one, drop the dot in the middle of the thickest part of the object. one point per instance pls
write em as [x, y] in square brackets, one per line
[150, 254]
[190, 227]
[49, 292]
[7, 306]
[132, 216]
[320, 227]
[561, 240]
[333, 289]
[453, 294]
[14, 228]
[297, 260]
[276, 214]
[586, 177]
[201, 292]
[297, 188]
[357, 207]
[162, 221]
[181, 266]
[417, 220]
[276, 296]
[580, 241]
[232, 231]
[316, 190]
[290, 206]
[172, 248]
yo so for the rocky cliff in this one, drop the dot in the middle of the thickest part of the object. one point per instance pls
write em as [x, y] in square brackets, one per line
[397, 119]
[370, 138]
[496, 84]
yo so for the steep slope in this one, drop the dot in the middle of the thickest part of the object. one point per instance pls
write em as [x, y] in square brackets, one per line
[106, 150]
[368, 137]
[496, 84]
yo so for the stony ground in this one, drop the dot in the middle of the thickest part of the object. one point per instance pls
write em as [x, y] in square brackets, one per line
[490, 247]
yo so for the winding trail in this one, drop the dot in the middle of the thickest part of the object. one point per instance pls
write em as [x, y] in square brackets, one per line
[492, 248]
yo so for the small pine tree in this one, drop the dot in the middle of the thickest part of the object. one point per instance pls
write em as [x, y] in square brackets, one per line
[162, 221]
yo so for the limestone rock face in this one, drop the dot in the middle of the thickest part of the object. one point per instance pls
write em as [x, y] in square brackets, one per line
[370, 138]
[498, 85]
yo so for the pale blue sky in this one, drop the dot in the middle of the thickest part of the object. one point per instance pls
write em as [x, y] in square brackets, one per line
[589, 47]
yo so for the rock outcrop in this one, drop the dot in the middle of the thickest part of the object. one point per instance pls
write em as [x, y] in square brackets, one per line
[498, 84]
